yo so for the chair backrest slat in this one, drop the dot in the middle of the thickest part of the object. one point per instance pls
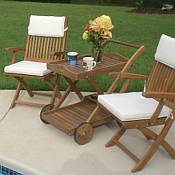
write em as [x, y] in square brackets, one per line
[161, 78]
[40, 48]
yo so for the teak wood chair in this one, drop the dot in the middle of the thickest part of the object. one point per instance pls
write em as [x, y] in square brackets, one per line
[155, 106]
[46, 43]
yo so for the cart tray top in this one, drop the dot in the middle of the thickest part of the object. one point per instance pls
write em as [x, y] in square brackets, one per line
[110, 63]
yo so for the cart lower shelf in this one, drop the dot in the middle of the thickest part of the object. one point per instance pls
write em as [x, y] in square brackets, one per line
[70, 117]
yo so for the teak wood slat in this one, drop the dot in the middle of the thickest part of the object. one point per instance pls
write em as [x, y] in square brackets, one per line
[77, 72]
[70, 117]
[40, 49]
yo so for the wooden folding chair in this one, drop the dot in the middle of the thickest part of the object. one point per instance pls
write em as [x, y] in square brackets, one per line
[155, 106]
[46, 43]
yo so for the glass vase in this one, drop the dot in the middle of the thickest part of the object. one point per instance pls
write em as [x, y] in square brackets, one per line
[97, 54]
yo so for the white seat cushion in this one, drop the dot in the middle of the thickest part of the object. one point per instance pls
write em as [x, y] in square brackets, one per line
[131, 106]
[165, 51]
[28, 68]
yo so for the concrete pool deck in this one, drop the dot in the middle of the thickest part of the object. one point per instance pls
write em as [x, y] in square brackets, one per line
[28, 145]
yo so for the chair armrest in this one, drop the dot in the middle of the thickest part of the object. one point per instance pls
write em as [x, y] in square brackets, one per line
[57, 54]
[123, 75]
[153, 94]
[163, 100]
[14, 50]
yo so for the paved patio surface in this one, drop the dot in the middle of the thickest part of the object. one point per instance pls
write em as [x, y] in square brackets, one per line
[29, 146]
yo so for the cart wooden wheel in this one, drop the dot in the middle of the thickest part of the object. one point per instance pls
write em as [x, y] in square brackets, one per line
[83, 133]
[44, 109]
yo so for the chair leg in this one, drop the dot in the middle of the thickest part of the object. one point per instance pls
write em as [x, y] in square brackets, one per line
[152, 135]
[148, 137]
[154, 147]
[26, 87]
[18, 89]
[23, 85]
[115, 137]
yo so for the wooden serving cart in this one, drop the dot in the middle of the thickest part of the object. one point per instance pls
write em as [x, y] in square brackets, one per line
[76, 119]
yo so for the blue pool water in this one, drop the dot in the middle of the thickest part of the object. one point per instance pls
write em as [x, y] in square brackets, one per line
[6, 171]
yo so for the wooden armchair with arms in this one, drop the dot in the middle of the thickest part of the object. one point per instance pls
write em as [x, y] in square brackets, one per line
[46, 43]
[140, 110]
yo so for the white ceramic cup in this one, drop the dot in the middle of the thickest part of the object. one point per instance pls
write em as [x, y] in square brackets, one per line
[88, 63]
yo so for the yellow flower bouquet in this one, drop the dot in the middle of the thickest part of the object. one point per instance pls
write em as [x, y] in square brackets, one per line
[97, 31]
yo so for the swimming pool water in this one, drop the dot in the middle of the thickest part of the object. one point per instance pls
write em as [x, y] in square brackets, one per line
[6, 171]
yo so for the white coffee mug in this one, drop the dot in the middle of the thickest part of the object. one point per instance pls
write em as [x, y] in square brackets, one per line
[88, 63]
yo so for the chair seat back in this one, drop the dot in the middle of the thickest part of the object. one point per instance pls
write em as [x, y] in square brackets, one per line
[39, 47]
[162, 76]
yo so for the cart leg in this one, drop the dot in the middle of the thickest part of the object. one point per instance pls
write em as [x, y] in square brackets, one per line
[63, 97]
[73, 87]
[95, 86]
